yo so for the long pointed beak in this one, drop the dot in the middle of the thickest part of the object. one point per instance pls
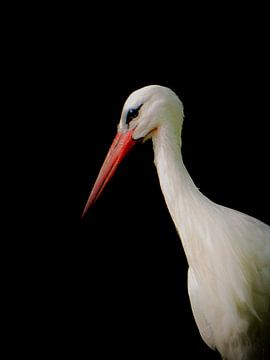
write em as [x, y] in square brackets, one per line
[121, 145]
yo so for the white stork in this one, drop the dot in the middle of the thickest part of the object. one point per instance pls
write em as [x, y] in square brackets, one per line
[228, 252]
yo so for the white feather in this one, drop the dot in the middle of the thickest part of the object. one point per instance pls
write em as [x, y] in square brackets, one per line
[228, 252]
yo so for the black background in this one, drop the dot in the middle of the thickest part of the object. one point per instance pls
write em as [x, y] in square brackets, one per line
[115, 284]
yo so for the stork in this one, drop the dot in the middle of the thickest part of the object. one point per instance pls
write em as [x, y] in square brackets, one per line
[228, 252]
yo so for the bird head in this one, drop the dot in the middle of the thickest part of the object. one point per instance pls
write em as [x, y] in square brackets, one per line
[149, 108]
[145, 113]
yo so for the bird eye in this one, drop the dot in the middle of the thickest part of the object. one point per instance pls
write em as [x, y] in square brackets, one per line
[132, 114]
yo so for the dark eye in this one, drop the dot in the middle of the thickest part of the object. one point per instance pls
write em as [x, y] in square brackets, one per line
[132, 114]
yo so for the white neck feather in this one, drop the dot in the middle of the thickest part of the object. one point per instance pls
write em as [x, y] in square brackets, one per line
[184, 201]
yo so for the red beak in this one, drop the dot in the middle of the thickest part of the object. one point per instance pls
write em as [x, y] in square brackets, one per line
[121, 145]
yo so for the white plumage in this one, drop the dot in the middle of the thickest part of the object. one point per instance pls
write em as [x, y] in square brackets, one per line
[228, 252]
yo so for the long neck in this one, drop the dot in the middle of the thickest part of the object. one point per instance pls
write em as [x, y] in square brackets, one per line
[183, 199]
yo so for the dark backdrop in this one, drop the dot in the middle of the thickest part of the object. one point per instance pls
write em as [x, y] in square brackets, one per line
[116, 283]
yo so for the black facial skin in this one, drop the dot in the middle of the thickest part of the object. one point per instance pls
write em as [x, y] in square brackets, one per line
[132, 114]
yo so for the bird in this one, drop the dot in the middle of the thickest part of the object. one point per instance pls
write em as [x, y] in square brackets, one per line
[228, 252]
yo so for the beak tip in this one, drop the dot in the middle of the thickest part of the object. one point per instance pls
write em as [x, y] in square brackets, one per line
[84, 213]
[89, 204]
